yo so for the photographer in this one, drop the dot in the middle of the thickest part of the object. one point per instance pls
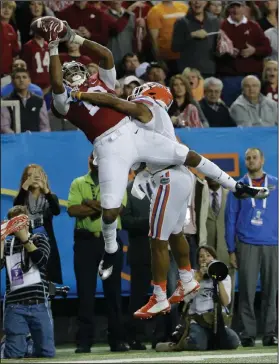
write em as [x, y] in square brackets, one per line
[26, 308]
[206, 319]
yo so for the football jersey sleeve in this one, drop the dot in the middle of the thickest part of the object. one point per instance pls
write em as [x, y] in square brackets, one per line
[108, 77]
[60, 102]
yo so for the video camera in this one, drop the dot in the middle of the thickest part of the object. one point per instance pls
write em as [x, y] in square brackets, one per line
[217, 270]
[58, 291]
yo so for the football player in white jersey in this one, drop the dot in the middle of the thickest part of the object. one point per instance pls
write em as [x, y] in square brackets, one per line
[151, 143]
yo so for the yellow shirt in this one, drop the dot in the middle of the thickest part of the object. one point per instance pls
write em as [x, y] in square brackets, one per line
[81, 189]
[163, 17]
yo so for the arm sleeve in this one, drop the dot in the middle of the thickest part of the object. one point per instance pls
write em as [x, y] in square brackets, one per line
[44, 119]
[180, 36]
[75, 197]
[6, 121]
[60, 103]
[20, 198]
[231, 216]
[154, 19]
[53, 203]
[263, 47]
[108, 77]
[40, 256]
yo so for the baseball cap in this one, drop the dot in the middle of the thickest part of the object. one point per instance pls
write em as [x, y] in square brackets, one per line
[130, 79]
[235, 2]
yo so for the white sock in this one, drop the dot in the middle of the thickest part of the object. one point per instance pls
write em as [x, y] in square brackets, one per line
[109, 234]
[160, 294]
[185, 275]
[212, 171]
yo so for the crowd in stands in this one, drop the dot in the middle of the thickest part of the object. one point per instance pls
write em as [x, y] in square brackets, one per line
[220, 58]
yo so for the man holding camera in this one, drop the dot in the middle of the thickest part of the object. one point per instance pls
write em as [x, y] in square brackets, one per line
[252, 240]
[26, 307]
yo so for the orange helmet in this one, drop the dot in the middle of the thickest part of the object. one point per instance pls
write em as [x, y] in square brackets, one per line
[161, 94]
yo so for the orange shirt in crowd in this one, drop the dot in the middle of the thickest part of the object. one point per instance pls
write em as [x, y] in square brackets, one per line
[162, 17]
[198, 92]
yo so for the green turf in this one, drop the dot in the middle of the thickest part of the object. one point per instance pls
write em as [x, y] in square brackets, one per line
[103, 353]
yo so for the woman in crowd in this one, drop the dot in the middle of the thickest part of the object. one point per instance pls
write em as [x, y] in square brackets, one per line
[215, 8]
[269, 11]
[194, 77]
[26, 14]
[183, 111]
[270, 80]
[42, 205]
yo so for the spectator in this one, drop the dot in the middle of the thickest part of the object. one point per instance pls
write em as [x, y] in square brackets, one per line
[270, 80]
[74, 54]
[33, 111]
[130, 83]
[93, 23]
[252, 108]
[160, 22]
[270, 15]
[194, 227]
[196, 82]
[36, 55]
[58, 5]
[92, 68]
[9, 48]
[252, 240]
[9, 88]
[42, 204]
[272, 36]
[251, 47]
[183, 112]
[201, 314]
[191, 32]
[215, 8]
[26, 298]
[130, 63]
[7, 12]
[135, 219]
[26, 14]
[252, 11]
[123, 42]
[84, 205]
[214, 109]
[156, 72]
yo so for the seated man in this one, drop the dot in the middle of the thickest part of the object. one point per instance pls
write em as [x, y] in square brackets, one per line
[26, 308]
[33, 111]
[9, 88]
[214, 109]
[252, 108]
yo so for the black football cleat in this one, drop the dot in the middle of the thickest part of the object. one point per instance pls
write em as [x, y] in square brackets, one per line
[106, 264]
[243, 191]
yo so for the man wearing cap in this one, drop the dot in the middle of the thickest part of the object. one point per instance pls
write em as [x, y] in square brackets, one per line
[129, 84]
[84, 205]
[156, 72]
[251, 46]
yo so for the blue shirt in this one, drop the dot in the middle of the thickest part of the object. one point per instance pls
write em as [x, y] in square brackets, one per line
[239, 213]
[8, 89]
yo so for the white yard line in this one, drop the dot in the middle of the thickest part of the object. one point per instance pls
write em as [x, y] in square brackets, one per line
[172, 359]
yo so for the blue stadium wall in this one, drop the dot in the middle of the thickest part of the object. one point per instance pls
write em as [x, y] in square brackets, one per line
[64, 155]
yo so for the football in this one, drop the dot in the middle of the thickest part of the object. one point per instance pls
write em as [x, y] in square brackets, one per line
[49, 27]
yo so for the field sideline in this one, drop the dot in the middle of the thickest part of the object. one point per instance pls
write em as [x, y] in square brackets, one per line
[101, 354]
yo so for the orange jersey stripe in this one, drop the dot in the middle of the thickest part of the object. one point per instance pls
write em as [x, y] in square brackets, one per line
[163, 209]
[155, 208]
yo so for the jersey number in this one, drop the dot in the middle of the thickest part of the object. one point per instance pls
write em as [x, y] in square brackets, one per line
[42, 63]
[93, 109]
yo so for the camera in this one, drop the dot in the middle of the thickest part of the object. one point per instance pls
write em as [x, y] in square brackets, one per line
[177, 334]
[217, 270]
[58, 291]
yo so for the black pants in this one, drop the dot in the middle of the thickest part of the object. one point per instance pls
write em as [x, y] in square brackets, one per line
[139, 258]
[88, 251]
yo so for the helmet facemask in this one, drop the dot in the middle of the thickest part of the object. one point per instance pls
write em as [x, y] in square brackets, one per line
[74, 74]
